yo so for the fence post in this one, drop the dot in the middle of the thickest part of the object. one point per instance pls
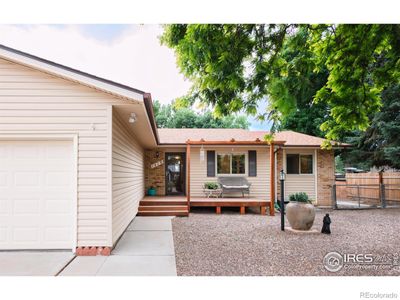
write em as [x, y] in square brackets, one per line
[382, 194]
[381, 190]
[358, 194]
[334, 200]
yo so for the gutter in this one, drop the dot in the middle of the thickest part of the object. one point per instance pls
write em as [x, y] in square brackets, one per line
[148, 103]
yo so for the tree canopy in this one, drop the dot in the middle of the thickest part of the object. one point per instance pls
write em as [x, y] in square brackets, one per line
[379, 145]
[339, 71]
[171, 116]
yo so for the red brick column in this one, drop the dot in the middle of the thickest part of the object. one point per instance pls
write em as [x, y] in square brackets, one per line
[93, 251]
[325, 176]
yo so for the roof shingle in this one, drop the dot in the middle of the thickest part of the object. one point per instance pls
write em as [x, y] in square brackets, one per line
[181, 135]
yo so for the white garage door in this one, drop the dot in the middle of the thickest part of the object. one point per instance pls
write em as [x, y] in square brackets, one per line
[36, 194]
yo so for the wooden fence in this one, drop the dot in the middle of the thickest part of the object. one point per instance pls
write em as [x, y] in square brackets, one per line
[370, 189]
[373, 178]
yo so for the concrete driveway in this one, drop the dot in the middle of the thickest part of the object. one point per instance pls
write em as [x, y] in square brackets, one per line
[145, 249]
[40, 263]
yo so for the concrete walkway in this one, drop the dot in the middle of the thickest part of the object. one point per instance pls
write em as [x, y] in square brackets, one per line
[145, 249]
[33, 263]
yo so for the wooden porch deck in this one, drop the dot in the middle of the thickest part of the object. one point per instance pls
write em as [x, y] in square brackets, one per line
[177, 205]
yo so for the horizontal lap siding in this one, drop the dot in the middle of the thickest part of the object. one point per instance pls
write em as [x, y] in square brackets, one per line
[33, 101]
[260, 183]
[302, 182]
[127, 177]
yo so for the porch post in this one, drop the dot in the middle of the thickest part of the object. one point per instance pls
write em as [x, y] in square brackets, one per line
[272, 179]
[188, 174]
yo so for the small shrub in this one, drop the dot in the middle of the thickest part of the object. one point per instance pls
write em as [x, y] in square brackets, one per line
[211, 185]
[300, 197]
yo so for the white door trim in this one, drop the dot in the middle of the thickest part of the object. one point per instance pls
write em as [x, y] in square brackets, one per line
[18, 136]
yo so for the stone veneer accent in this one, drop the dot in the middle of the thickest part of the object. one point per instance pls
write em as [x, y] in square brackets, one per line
[155, 177]
[326, 177]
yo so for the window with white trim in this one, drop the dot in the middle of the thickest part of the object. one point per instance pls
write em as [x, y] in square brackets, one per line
[299, 163]
[231, 163]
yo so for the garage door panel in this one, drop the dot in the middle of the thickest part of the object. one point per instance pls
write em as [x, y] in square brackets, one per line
[57, 207]
[27, 179]
[24, 151]
[3, 179]
[28, 235]
[59, 152]
[3, 206]
[58, 179]
[27, 206]
[3, 235]
[57, 234]
[36, 195]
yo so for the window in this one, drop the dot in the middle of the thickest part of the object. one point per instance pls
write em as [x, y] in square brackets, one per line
[238, 166]
[223, 164]
[299, 164]
[292, 163]
[306, 164]
[231, 163]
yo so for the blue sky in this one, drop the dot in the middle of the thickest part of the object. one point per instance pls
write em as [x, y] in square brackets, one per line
[130, 54]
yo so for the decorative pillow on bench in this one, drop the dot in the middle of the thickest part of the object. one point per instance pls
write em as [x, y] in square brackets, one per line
[235, 186]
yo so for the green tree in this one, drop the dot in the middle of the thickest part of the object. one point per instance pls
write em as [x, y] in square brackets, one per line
[232, 67]
[379, 145]
[172, 116]
[294, 88]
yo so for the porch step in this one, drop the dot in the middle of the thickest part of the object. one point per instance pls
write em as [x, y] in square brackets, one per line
[163, 213]
[162, 202]
[162, 208]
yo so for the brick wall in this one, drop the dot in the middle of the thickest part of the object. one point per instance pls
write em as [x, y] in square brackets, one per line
[326, 176]
[155, 176]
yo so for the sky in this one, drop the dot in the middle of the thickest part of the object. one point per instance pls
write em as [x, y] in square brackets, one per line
[128, 54]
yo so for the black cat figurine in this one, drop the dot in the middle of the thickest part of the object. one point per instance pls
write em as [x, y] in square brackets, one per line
[326, 228]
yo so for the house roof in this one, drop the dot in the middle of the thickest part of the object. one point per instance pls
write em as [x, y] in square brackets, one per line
[84, 78]
[178, 136]
[70, 73]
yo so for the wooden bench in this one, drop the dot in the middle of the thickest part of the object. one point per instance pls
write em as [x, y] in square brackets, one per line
[236, 184]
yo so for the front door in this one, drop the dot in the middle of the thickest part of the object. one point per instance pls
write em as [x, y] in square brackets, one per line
[175, 173]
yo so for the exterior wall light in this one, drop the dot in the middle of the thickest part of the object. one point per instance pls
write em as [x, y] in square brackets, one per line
[132, 118]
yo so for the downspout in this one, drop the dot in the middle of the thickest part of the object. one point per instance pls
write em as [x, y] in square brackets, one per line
[276, 172]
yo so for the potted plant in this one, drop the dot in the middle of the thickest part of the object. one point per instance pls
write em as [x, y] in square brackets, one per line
[211, 185]
[211, 189]
[300, 212]
[152, 191]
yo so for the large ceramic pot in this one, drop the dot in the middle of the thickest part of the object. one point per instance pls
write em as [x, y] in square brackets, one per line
[300, 215]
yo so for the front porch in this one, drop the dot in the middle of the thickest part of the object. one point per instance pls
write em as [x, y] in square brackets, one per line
[180, 206]
[177, 175]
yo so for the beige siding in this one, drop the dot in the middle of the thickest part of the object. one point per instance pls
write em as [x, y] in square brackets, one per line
[260, 183]
[127, 177]
[303, 182]
[33, 101]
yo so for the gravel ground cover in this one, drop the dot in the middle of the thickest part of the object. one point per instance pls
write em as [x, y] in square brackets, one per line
[207, 244]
